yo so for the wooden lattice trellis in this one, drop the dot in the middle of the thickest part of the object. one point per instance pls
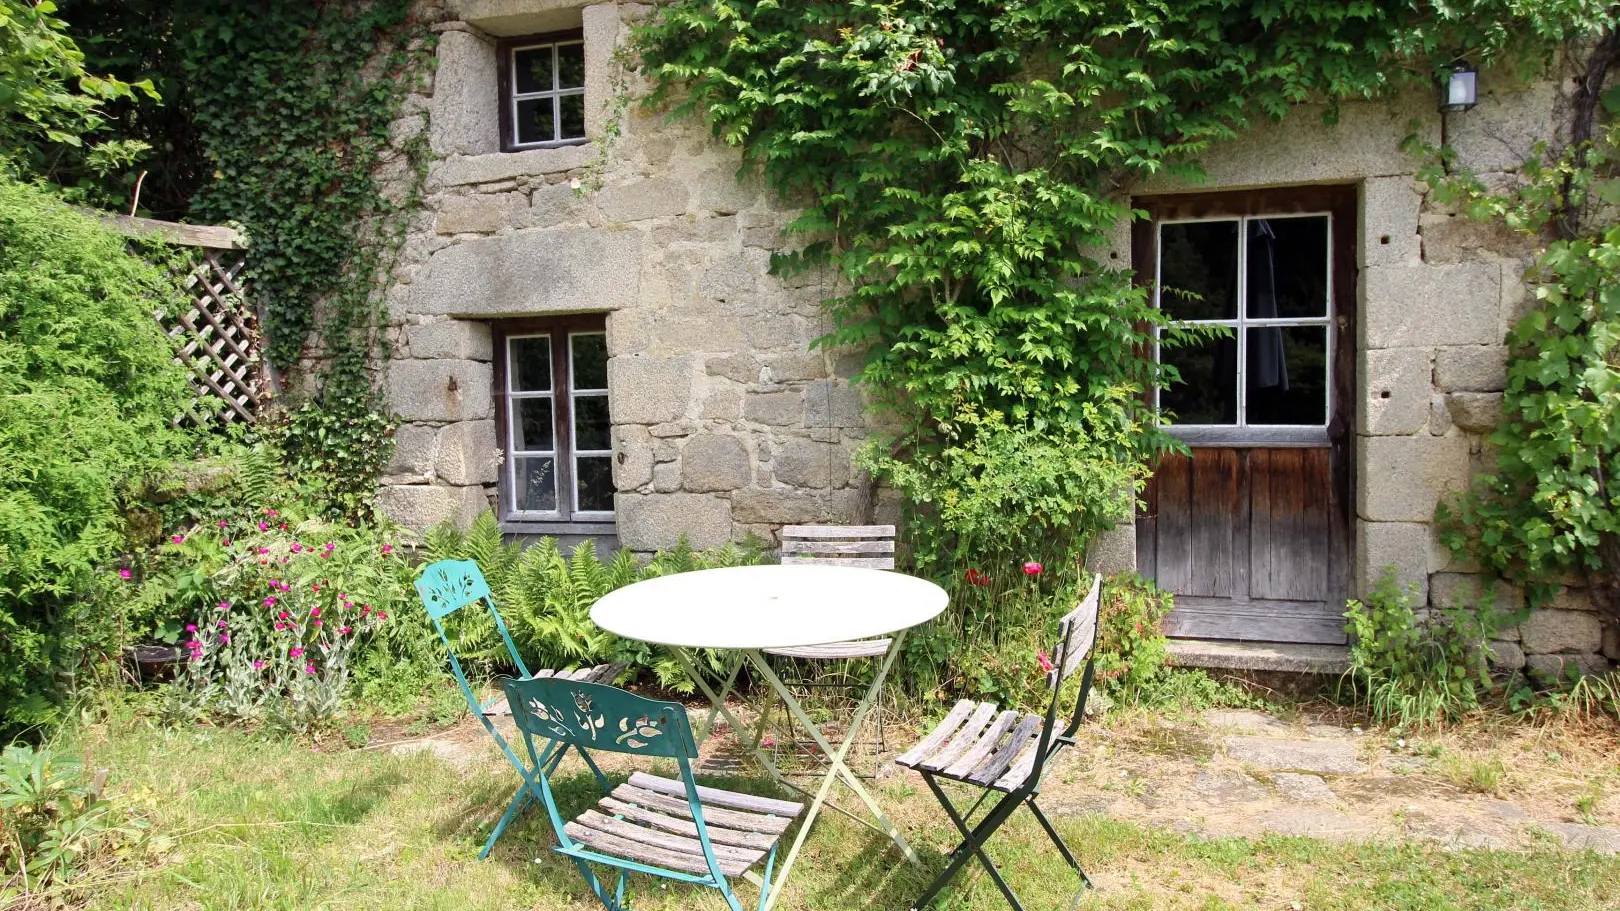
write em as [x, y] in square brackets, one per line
[217, 337]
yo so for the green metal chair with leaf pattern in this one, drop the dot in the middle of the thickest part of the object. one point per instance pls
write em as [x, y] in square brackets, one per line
[666, 827]
[450, 585]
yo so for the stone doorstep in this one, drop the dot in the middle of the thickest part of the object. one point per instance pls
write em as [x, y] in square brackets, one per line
[1296, 657]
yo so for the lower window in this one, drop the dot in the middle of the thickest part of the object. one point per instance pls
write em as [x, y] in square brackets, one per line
[554, 423]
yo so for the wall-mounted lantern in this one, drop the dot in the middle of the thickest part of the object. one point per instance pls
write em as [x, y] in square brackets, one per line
[1459, 88]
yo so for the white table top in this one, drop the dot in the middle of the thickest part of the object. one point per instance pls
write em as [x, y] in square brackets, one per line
[768, 606]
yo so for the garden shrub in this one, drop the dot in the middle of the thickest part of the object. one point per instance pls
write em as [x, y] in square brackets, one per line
[54, 825]
[1130, 634]
[280, 609]
[89, 391]
[1417, 671]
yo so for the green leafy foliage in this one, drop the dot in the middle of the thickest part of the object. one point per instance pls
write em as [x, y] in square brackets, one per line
[88, 391]
[546, 597]
[55, 823]
[1414, 671]
[49, 102]
[1130, 634]
[962, 167]
[1549, 508]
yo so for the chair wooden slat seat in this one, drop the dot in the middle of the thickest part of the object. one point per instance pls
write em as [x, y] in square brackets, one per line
[633, 823]
[978, 744]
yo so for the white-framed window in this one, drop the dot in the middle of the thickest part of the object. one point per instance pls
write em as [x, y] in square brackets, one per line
[555, 423]
[542, 91]
[1267, 279]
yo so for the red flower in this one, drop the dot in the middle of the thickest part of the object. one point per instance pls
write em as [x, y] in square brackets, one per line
[974, 577]
[1032, 568]
[1045, 662]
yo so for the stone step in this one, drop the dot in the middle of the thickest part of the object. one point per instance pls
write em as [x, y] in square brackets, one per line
[1260, 656]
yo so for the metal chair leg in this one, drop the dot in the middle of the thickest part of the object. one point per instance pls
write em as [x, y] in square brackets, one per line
[976, 845]
[1058, 840]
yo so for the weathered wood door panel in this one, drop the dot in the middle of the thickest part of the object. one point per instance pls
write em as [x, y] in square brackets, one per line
[1251, 530]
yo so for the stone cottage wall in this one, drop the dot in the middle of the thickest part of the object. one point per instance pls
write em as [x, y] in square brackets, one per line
[725, 423]
[1438, 294]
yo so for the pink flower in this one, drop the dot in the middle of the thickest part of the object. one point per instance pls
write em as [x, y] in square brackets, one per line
[178, 539]
[317, 623]
[1032, 568]
[282, 526]
[330, 546]
[125, 574]
[264, 526]
[345, 630]
[263, 551]
[270, 601]
[269, 512]
[224, 639]
[194, 645]
[309, 669]
[314, 612]
[225, 543]
[280, 627]
[222, 624]
[191, 627]
[283, 615]
[258, 665]
[388, 548]
[223, 523]
[296, 547]
[294, 652]
[1045, 662]
[224, 605]
[381, 615]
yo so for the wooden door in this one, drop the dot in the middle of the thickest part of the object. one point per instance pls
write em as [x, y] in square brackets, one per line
[1251, 531]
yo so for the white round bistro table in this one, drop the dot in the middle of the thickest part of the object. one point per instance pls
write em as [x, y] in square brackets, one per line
[749, 608]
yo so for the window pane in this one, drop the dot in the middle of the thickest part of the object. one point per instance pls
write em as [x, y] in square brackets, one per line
[531, 70]
[532, 432]
[591, 423]
[1287, 375]
[531, 364]
[536, 120]
[590, 360]
[1288, 271]
[536, 484]
[570, 66]
[1207, 391]
[1198, 269]
[595, 483]
[573, 117]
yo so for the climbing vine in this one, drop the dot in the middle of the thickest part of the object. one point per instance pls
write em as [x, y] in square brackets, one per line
[963, 166]
[294, 105]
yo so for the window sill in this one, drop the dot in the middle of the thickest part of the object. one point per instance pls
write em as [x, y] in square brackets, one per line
[559, 529]
[1278, 437]
[547, 146]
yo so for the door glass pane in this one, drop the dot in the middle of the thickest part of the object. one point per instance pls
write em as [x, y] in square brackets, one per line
[533, 432]
[570, 66]
[531, 364]
[536, 121]
[1288, 269]
[1198, 269]
[532, 70]
[536, 484]
[1287, 375]
[573, 117]
[1207, 391]
[595, 483]
[590, 360]
[591, 423]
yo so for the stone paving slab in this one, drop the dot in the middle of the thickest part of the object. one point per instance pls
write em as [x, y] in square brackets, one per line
[1601, 839]
[1307, 788]
[1333, 757]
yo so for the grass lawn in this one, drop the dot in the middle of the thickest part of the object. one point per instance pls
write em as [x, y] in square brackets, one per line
[242, 821]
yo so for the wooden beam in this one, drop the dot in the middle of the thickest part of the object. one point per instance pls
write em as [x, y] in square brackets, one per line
[216, 237]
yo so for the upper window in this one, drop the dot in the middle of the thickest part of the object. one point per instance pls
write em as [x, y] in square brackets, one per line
[555, 425]
[543, 91]
[1267, 280]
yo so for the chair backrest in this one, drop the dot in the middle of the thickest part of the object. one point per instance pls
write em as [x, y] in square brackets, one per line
[1077, 633]
[869, 546]
[596, 716]
[450, 585]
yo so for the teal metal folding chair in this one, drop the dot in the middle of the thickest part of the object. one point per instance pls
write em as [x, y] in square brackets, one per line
[665, 827]
[450, 585]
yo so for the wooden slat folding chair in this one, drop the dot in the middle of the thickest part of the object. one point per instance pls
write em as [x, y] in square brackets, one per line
[450, 585]
[666, 827]
[1006, 752]
[865, 546]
